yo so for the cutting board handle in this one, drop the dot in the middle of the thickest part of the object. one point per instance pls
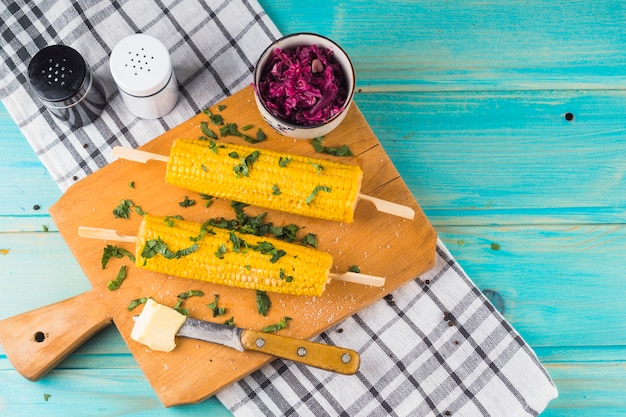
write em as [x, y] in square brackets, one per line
[36, 341]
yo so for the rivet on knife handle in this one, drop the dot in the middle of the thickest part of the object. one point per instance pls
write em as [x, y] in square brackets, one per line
[318, 355]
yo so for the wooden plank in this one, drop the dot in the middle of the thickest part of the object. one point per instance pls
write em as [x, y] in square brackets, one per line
[550, 277]
[25, 182]
[92, 392]
[460, 46]
[479, 158]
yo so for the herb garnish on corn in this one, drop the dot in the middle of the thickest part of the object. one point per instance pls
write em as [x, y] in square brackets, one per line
[227, 257]
[297, 184]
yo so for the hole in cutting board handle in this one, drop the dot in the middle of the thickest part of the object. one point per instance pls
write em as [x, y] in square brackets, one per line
[39, 337]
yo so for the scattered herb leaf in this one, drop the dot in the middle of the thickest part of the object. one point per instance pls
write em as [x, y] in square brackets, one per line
[230, 322]
[278, 326]
[231, 129]
[246, 164]
[283, 161]
[136, 302]
[206, 130]
[122, 211]
[342, 150]
[157, 246]
[221, 251]
[263, 302]
[208, 198]
[310, 240]
[217, 311]
[316, 190]
[191, 293]
[187, 202]
[318, 168]
[287, 278]
[111, 251]
[354, 268]
[117, 282]
[276, 190]
[179, 307]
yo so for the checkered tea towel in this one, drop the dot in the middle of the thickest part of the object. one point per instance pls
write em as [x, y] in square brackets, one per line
[435, 347]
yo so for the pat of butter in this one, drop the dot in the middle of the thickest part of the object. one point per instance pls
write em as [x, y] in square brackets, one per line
[156, 326]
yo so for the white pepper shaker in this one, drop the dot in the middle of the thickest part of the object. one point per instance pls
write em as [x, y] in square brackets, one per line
[142, 69]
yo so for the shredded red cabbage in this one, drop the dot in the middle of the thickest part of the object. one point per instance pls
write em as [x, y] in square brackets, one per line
[304, 85]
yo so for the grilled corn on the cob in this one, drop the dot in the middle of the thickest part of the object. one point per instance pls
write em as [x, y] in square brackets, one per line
[192, 250]
[291, 183]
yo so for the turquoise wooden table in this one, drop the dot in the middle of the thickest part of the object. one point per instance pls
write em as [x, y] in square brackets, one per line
[506, 120]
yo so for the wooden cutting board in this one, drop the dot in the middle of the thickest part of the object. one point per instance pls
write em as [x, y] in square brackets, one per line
[380, 244]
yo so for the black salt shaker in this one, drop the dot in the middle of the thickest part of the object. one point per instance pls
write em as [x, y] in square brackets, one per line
[61, 78]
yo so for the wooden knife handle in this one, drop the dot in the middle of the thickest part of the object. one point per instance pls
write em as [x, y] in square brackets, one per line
[330, 358]
[36, 341]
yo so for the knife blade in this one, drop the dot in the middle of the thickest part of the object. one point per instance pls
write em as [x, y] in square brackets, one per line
[331, 358]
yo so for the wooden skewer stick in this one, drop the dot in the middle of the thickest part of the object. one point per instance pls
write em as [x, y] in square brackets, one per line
[383, 206]
[113, 235]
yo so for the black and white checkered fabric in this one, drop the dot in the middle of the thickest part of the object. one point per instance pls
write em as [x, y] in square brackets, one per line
[435, 347]
[213, 45]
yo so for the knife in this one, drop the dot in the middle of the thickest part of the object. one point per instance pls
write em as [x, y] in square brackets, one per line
[327, 357]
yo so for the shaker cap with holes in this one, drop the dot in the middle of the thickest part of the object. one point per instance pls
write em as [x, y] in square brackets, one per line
[60, 77]
[141, 67]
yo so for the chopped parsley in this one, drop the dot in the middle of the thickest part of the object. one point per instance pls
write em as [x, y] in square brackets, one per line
[136, 302]
[243, 169]
[206, 130]
[343, 150]
[179, 307]
[111, 251]
[310, 240]
[230, 322]
[221, 251]
[231, 129]
[216, 119]
[263, 302]
[316, 190]
[238, 243]
[157, 246]
[354, 268]
[169, 220]
[204, 229]
[190, 293]
[221, 107]
[283, 161]
[187, 202]
[213, 146]
[117, 282]
[217, 311]
[278, 326]
[318, 168]
[208, 198]
[276, 190]
[266, 248]
[122, 211]
[284, 276]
